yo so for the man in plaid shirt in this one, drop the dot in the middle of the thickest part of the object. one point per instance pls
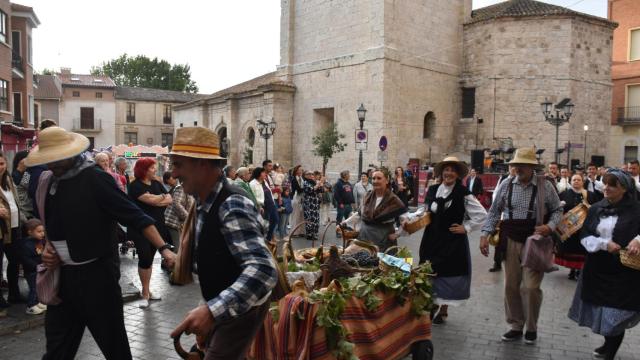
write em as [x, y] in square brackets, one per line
[516, 202]
[235, 269]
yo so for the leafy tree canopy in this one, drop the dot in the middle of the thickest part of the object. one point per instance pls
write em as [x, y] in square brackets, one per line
[327, 143]
[141, 71]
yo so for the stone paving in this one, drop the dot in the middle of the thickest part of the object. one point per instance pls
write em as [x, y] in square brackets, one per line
[471, 332]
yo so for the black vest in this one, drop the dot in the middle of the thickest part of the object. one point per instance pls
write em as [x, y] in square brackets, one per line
[217, 269]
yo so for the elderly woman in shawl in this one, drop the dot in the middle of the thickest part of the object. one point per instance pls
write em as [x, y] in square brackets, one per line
[607, 298]
[378, 213]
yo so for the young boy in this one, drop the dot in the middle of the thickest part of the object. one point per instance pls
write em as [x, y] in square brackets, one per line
[33, 247]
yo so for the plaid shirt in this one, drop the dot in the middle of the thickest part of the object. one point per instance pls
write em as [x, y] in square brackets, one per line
[520, 198]
[243, 233]
[177, 212]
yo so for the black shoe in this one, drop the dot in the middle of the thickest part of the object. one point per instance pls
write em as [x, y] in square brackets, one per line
[530, 337]
[495, 268]
[572, 275]
[600, 352]
[438, 320]
[512, 335]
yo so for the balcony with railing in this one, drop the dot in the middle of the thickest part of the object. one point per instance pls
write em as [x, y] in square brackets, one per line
[87, 125]
[166, 120]
[629, 115]
[17, 64]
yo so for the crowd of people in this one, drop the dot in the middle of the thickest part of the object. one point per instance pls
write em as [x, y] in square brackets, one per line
[57, 195]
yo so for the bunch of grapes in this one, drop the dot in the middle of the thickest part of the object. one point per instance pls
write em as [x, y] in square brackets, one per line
[363, 258]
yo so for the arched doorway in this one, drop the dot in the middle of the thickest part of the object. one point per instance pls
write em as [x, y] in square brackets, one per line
[250, 140]
[224, 142]
[428, 126]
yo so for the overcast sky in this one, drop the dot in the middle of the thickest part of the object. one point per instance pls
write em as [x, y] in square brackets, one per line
[224, 41]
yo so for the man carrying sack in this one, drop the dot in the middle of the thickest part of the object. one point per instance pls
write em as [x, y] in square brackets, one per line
[222, 242]
[516, 202]
[80, 205]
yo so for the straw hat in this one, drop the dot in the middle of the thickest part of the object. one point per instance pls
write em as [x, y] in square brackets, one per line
[55, 144]
[461, 168]
[525, 156]
[196, 142]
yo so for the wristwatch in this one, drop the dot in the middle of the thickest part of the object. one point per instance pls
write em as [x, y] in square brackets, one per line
[166, 246]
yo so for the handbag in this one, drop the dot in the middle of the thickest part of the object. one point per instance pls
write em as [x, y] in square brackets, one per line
[494, 239]
[47, 285]
[537, 253]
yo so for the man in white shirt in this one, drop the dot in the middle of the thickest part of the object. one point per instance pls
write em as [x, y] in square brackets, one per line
[634, 170]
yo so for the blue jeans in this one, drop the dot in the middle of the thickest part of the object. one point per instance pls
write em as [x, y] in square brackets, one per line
[343, 213]
[282, 226]
[274, 220]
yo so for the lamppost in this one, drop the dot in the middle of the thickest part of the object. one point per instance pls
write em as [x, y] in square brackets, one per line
[266, 130]
[362, 112]
[584, 159]
[558, 119]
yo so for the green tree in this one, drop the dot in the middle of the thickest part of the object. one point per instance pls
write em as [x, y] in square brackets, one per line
[47, 71]
[141, 71]
[327, 143]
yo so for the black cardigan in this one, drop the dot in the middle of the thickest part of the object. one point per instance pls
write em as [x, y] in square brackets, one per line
[605, 281]
[85, 211]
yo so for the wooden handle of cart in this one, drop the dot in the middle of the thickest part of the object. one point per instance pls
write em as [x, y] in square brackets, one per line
[199, 355]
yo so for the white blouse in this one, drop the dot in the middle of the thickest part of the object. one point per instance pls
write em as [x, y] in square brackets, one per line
[13, 208]
[256, 187]
[605, 229]
[476, 213]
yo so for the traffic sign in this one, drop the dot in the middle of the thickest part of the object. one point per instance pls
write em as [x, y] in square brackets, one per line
[361, 146]
[382, 143]
[383, 156]
[362, 136]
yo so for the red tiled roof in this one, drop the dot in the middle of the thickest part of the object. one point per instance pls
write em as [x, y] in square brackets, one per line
[76, 80]
[527, 8]
[49, 87]
[247, 86]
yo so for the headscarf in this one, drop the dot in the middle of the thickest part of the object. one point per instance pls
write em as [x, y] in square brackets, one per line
[605, 208]
[627, 181]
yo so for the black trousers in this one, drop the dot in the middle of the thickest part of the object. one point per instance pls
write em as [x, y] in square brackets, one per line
[92, 298]
[13, 252]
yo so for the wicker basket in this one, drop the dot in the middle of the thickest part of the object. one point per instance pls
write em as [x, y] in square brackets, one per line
[630, 261]
[417, 224]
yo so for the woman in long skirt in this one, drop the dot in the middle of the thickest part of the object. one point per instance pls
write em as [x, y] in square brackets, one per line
[311, 205]
[570, 252]
[454, 213]
[297, 216]
[607, 297]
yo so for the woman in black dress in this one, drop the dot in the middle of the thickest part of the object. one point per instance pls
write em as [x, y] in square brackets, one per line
[607, 298]
[571, 253]
[152, 197]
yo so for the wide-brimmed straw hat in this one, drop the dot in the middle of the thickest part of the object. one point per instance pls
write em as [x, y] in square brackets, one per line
[461, 168]
[196, 142]
[525, 156]
[55, 144]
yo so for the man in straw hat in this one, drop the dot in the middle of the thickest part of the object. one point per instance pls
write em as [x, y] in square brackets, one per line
[515, 201]
[234, 266]
[81, 205]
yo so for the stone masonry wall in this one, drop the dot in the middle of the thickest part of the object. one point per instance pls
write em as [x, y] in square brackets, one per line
[524, 61]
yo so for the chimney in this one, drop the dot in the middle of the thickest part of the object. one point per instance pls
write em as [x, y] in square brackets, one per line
[65, 71]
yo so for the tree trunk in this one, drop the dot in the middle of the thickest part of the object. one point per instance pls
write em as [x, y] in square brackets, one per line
[325, 161]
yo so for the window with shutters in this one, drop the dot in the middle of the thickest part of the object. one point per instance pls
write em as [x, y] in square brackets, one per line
[131, 112]
[634, 44]
[468, 102]
[86, 118]
[131, 138]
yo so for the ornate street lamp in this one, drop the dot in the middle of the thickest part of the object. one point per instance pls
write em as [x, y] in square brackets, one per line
[362, 112]
[266, 129]
[558, 119]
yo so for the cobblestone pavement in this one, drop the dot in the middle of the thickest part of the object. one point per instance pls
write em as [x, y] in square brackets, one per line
[471, 332]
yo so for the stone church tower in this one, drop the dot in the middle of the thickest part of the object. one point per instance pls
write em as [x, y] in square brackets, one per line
[401, 59]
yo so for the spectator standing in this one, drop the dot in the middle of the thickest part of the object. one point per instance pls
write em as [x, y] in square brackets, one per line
[150, 195]
[361, 189]
[230, 173]
[243, 176]
[284, 209]
[343, 197]
[176, 213]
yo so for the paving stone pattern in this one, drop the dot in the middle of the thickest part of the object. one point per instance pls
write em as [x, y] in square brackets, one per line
[471, 332]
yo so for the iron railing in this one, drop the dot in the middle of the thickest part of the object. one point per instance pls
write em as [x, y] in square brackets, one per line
[629, 115]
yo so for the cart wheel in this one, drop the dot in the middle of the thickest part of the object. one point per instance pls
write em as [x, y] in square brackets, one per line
[422, 350]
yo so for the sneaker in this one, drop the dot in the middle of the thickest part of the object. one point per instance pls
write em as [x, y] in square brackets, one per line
[144, 303]
[41, 306]
[530, 337]
[512, 335]
[34, 310]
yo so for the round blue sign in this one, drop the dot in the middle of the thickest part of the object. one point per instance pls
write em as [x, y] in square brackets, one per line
[383, 143]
